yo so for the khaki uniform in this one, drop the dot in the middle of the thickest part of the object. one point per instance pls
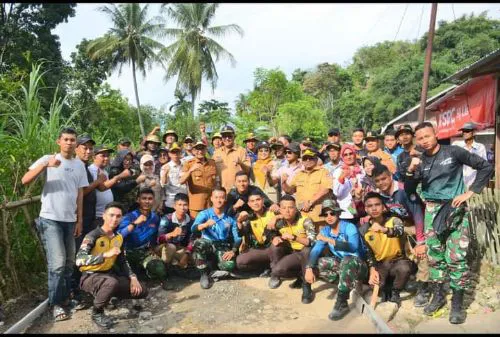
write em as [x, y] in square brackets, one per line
[308, 184]
[200, 184]
[227, 168]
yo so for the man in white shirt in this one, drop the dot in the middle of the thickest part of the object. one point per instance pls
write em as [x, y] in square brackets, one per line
[61, 216]
[472, 146]
[170, 174]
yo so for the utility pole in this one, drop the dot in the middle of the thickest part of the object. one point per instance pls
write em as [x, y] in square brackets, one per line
[427, 65]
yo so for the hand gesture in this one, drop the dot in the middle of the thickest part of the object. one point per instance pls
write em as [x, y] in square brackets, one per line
[414, 164]
[210, 223]
[460, 199]
[306, 207]
[242, 216]
[53, 162]
[156, 129]
[358, 192]
[227, 256]
[284, 177]
[101, 177]
[275, 208]
[141, 178]
[238, 204]
[112, 252]
[124, 174]
[140, 220]
[309, 276]
[376, 227]
[287, 236]
[276, 241]
[374, 277]
[272, 223]
[135, 286]
[152, 183]
[176, 232]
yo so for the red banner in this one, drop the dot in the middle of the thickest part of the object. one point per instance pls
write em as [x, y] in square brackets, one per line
[473, 101]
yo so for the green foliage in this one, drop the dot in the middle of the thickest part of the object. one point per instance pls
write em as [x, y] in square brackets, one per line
[306, 114]
[214, 113]
[193, 55]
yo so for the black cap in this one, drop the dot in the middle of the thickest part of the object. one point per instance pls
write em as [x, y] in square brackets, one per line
[276, 144]
[124, 140]
[227, 129]
[263, 144]
[102, 148]
[336, 146]
[404, 128]
[294, 147]
[334, 132]
[358, 129]
[372, 135]
[84, 139]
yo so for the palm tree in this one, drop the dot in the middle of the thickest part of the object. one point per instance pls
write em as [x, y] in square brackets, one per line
[131, 40]
[191, 56]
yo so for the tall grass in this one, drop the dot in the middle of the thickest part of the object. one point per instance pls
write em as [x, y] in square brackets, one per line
[27, 132]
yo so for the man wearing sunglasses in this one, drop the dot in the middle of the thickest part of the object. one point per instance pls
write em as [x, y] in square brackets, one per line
[346, 262]
[230, 159]
[312, 185]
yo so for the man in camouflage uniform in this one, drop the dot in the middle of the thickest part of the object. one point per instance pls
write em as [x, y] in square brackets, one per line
[440, 170]
[219, 238]
[346, 265]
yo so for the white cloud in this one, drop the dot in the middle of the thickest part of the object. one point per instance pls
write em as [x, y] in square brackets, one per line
[287, 36]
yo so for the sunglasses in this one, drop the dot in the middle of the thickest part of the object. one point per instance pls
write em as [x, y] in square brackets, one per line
[347, 154]
[289, 152]
[264, 150]
[330, 213]
[308, 158]
[149, 163]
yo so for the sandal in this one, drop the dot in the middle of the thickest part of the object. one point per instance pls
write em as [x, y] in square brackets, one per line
[59, 314]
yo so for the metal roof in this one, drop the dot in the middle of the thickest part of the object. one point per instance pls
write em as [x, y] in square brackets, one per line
[486, 65]
[416, 107]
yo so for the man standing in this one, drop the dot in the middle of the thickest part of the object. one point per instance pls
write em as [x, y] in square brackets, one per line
[170, 177]
[230, 159]
[357, 138]
[405, 137]
[470, 144]
[290, 168]
[313, 184]
[372, 144]
[250, 144]
[285, 139]
[199, 174]
[334, 163]
[124, 144]
[61, 215]
[391, 146]
[333, 137]
[187, 149]
[440, 170]
[219, 238]
[169, 138]
[99, 258]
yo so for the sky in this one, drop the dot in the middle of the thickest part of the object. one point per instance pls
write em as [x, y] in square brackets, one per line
[284, 36]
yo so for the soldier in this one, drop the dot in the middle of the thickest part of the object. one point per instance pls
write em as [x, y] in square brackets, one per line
[440, 170]
[347, 261]
[99, 258]
[219, 238]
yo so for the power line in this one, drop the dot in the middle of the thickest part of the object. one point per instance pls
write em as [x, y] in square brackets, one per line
[376, 23]
[420, 23]
[401, 22]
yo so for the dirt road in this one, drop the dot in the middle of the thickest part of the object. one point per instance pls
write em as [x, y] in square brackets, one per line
[230, 306]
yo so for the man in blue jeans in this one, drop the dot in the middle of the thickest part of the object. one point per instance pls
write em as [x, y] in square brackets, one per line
[60, 216]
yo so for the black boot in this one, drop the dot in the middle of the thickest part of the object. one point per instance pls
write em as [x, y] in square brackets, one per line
[297, 284]
[307, 294]
[395, 298]
[438, 299]
[101, 319]
[206, 280]
[457, 313]
[423, 295]
[274, 282]
[341, 308]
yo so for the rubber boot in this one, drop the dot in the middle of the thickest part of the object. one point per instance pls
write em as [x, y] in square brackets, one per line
[423, 295]
[307, 294]
[341, 308]
[99, 318]
[205, 280]
[457, 313]
[438, 299]
[297, 284]
[395, 298]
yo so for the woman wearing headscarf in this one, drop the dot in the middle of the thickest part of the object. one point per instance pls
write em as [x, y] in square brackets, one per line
[152, 181]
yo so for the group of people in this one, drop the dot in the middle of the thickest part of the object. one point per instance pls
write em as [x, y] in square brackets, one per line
[345, 212]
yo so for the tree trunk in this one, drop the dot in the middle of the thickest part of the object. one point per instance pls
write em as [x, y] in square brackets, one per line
[137, 100]
[193, 99]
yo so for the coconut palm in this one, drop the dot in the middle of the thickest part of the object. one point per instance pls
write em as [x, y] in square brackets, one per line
[131, 40]
[193, 55]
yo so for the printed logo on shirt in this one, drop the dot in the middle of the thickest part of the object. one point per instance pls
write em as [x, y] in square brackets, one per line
[447, 161]
[68, 169]
[227, 225]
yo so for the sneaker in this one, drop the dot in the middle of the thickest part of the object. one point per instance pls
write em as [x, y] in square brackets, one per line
[297, 284]
[274, 282]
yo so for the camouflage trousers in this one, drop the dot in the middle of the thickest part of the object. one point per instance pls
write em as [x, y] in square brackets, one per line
[205, 251]
[447, 260]
[347, 271]
[148, 261]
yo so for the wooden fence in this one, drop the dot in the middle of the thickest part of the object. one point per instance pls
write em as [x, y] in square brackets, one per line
[485, 216]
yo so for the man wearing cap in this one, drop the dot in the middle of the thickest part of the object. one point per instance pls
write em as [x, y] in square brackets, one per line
[199, 174]
[346, 263]
[152, 145]
[372, 145]
[170, 177]
[261, 171]
[358, 135]
[124, 144]
[290, 168]
[391, 146]
[333, 137]
[61, 215]
[334, 163]
[250, 143]
[305, 144]
[470, 144]
[230, 159]
[216, 143]
[312, 186]
[170, 137]
[187, 149]
[404, 135]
